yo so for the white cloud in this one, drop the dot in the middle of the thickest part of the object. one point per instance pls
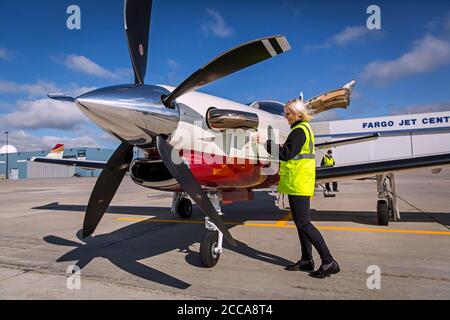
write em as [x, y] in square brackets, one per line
[349, 35]
[440, 26]
[428, 53]
[24, 141]
[43, 113]
[41, 88]
[85, 65]
[329, 115]
[216, 25]
[432, 107]
[173, 74]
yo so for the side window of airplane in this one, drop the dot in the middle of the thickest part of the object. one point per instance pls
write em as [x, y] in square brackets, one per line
[273, 107]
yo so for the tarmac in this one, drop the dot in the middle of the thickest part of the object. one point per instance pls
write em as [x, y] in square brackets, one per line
[141, 251]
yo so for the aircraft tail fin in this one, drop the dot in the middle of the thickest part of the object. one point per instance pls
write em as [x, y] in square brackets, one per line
[56, 152]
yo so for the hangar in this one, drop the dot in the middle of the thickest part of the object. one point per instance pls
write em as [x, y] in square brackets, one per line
[19, 166]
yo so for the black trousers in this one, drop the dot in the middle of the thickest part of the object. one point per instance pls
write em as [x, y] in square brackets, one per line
[308, 234]
[327, 186]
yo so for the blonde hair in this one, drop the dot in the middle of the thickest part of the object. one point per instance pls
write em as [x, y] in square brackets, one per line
[297, 106]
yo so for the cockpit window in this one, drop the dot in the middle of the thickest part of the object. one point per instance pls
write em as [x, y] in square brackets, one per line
[269, 106]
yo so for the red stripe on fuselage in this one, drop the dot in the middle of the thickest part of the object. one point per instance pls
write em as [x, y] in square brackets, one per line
[228, 172]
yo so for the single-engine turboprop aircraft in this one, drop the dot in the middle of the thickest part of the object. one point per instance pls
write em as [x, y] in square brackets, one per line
[158, 118]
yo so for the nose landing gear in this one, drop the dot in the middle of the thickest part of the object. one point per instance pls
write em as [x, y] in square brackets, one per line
[211, 244]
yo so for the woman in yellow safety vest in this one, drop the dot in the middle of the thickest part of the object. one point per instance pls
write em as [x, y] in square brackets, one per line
[297, 179]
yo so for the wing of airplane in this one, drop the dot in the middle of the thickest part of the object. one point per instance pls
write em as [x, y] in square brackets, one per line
[72, 162]
[343, 142]
[55, 156]
[371, 169]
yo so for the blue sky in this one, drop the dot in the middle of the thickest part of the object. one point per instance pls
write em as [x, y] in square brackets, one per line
[404, 67]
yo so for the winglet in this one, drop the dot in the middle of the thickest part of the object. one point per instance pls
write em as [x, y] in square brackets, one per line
[350, 86]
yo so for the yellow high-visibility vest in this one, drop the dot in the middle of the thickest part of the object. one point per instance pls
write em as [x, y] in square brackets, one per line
[328, 161]
[298, 175]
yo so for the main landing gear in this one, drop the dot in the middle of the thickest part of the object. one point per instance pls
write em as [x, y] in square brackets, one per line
[181, 205]
[211, 244]
[387, 205]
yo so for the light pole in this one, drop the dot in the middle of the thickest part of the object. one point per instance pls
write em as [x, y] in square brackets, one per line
[7, 173]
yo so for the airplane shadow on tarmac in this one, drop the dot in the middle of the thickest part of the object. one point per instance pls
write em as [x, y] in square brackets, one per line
[262, 208]
[124, 247]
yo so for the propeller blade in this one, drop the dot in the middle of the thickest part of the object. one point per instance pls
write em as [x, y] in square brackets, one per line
[231, 61]
[106, 187]
[187, 181]
[60, 97]
[137, 26]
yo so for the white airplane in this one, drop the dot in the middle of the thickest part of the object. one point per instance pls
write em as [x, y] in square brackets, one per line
[181, 130]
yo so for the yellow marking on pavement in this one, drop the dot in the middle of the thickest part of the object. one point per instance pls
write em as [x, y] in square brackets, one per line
[291, 226]
[284, 221]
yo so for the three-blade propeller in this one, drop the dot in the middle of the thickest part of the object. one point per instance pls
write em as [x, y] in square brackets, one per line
[137, 25]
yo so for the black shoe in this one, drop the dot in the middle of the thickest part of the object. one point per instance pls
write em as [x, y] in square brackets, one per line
[336, 190]
[326, 270]
[301, 265]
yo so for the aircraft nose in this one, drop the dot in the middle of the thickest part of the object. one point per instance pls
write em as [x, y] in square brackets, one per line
[131, 113]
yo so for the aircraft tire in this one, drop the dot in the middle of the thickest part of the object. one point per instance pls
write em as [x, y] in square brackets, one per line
[184, 208]
[207, 255]
[383, 213]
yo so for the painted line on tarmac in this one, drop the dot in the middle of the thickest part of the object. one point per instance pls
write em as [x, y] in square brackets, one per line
[284, 221]
[290, 226]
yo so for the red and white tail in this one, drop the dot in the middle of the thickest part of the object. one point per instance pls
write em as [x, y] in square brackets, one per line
[56, 152]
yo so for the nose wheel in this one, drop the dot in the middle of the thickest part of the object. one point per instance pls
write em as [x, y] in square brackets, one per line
[209, 249]
[212, 241]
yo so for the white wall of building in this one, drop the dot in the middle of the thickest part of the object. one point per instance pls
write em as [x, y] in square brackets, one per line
[46, 170]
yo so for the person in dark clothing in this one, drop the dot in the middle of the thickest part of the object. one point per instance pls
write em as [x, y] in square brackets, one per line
[297, 180]
[328, 161]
